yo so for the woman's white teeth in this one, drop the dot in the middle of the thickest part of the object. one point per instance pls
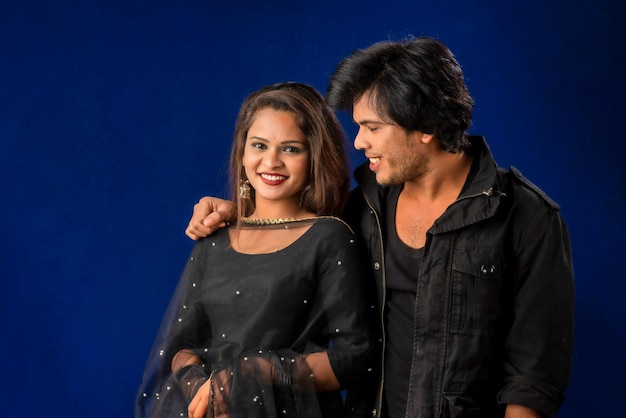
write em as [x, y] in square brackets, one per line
[273, 178]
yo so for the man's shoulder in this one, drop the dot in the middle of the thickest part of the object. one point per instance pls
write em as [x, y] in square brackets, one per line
[527, 189]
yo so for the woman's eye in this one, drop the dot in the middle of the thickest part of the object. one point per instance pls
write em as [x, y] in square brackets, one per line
[291, 149]
[258, 145]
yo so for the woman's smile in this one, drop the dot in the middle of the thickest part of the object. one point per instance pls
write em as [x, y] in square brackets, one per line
[276, 159]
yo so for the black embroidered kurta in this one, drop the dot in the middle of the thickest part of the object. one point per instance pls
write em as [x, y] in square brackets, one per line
[251, 317]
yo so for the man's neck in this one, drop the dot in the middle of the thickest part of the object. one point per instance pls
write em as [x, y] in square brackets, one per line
[443, 181]
[425, 199]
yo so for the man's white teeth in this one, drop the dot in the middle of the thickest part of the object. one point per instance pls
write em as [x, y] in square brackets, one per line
[374, 160]
[273, 178]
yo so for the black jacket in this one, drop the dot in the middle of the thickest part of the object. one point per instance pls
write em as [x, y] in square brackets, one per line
[495, 295]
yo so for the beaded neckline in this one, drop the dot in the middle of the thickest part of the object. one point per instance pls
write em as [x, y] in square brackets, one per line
[250, 222]
[273, 221]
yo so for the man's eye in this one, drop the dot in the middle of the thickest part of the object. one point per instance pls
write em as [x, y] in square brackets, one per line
[372, 128]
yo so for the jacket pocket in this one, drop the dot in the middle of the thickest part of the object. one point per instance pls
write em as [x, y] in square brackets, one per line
[475, 305]
[458, 405]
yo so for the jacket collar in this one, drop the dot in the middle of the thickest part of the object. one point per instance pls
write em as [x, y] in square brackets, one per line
[483, 184]
[486, 170]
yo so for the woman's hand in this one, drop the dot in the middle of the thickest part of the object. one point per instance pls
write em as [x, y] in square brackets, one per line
[200, 403]
[209, 214]
[211, 400]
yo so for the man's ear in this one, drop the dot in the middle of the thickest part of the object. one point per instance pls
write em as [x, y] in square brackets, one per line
[427, 138]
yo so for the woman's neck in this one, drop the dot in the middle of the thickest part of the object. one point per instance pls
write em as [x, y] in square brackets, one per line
[279, 211]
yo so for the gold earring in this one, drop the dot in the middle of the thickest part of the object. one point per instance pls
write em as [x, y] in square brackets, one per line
[244, 189]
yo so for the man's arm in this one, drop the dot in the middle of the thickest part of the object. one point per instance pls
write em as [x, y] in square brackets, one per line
[209, 215]
[538, 347]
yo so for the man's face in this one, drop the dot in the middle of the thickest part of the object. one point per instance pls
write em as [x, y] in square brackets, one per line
[395, 155]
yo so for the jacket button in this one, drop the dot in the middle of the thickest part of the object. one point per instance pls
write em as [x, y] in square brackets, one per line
[376, 265]
[487, 270]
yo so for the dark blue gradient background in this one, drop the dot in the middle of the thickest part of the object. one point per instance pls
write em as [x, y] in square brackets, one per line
[116, 116]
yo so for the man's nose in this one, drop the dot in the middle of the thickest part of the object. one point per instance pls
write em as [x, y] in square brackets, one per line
[359, 140]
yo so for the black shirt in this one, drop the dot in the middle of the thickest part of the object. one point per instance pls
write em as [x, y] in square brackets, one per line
[402, 264]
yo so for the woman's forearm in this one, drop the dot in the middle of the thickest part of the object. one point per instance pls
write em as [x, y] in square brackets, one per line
[323, 376]
[185, 358]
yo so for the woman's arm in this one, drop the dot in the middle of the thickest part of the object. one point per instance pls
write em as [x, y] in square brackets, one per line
[324, 378]
[341, 306]
[518, 411]
[185, 358]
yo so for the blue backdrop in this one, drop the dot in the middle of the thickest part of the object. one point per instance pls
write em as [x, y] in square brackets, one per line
[116, 116]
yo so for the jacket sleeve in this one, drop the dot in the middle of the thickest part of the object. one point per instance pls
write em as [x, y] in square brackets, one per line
[539, 344]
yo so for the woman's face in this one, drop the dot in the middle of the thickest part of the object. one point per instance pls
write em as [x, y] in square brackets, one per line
[276, 157]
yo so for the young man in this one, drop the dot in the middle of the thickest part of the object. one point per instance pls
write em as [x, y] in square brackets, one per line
[472, 262]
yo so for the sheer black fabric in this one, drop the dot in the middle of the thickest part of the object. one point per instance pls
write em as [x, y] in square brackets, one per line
[245, 321]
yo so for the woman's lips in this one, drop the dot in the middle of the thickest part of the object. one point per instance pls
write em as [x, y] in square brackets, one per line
[272, 179]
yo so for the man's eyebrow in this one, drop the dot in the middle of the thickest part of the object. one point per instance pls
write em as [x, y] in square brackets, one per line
[369, 121]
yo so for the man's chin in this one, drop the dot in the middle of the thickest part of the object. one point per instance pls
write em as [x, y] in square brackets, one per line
[385, 181]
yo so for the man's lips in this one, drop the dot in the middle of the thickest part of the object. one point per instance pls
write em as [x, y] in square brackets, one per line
[374, 162]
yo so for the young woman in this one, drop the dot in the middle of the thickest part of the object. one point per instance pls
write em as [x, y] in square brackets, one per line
[269, 318]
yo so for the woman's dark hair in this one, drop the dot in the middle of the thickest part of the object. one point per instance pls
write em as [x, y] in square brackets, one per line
[416, 84]
[328, 185]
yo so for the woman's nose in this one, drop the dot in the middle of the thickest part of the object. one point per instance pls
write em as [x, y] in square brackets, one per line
[272, 159]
